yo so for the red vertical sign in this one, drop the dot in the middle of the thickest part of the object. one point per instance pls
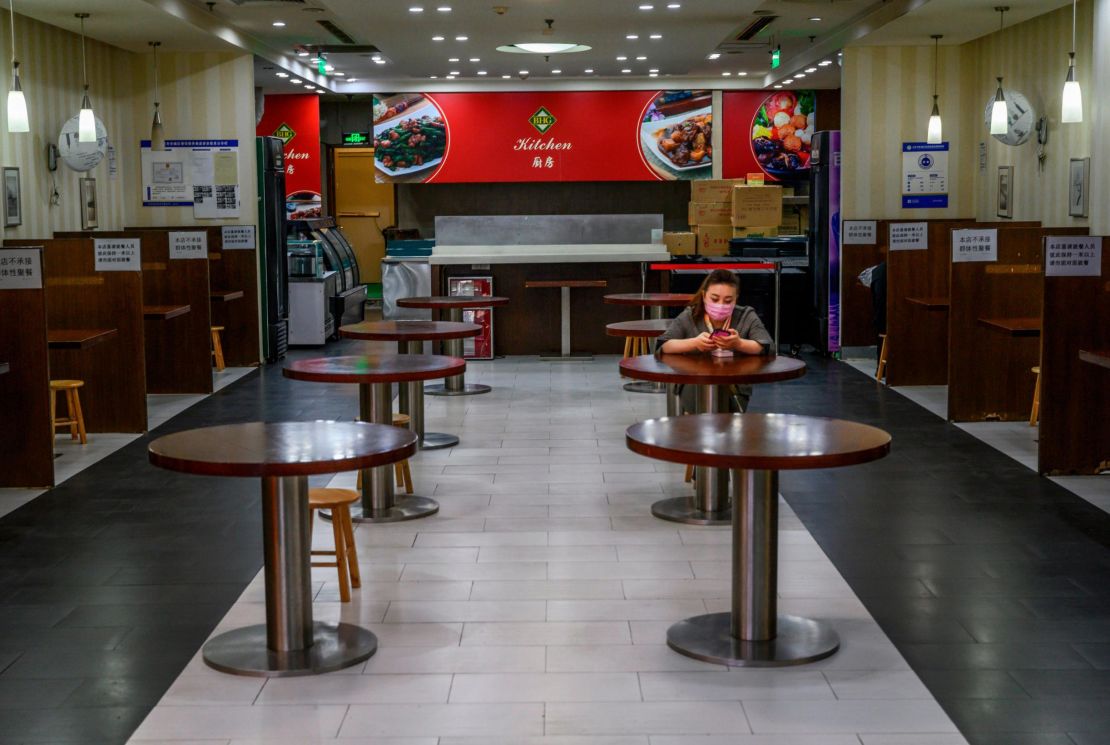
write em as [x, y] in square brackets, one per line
[295, 119]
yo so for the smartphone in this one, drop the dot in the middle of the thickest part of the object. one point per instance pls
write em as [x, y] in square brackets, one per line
[717, 333]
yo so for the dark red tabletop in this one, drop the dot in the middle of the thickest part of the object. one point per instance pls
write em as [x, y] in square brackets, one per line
[77, 338]
[1014, 326]
[649, 328]
[282, 448]
[409, 330]
[453, 301]
[164, 312]
[388, 368]
[226, 296]
[671, 299]
[705, 369]
[761, 441]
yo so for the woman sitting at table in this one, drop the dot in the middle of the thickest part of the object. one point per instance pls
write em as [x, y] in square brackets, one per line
[713, 323]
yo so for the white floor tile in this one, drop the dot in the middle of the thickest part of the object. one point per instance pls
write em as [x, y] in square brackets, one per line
[736, 685]
[521, 687]
[547, 590]
[504, 720]
[848, 716]
[621, 658]
[251, 722]
[646, 718]
[392, 660]
[356, 689]
[547, 634]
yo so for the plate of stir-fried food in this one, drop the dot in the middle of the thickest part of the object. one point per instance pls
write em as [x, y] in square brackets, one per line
[411, 143]
[682, 142]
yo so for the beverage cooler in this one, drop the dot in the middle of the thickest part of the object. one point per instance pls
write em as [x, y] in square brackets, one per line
[824, 238]
[479, 347]
[271, 248]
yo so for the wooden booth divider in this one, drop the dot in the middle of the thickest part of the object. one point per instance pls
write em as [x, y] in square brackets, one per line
[1075, 373]
[994, 328]
[857, 317]
[26, 437]
[94, 323]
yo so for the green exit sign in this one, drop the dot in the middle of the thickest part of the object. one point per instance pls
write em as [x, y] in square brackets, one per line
[356, 138]
[776, 58]
[321, 66]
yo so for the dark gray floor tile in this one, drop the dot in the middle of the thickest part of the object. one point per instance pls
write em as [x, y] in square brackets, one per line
[1096, 654]
[34, 694]
[70, 724]
[1065, 683]
[120, 691]
[972, 683]
[1090, 738]
[1016, 738]
[1000, 716]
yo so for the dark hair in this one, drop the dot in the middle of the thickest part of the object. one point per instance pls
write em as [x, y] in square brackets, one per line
[715, 277]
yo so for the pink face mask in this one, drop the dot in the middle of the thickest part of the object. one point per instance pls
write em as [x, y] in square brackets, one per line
[719, 311]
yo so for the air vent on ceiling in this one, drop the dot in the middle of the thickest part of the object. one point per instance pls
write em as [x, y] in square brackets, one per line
[267, 2]
[758, 24]
[336, 32]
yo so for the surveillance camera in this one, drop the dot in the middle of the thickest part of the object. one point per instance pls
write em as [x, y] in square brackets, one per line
[523, 75]
[500, 10]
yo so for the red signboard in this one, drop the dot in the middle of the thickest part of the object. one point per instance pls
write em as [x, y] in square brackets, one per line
[543, 136]
[295, 118]
[768, 133]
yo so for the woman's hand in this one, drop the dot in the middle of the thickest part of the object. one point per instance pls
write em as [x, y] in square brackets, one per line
[704, 343]
[732, 341]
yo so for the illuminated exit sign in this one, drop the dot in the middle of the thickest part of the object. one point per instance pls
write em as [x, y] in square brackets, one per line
[776, 58]
[356, 138]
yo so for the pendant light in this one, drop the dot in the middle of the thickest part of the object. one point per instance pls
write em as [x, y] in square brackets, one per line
[17, 103]
[157, 136]
[934, 136]
[1071, 107]
[86, 121]
[999, 114]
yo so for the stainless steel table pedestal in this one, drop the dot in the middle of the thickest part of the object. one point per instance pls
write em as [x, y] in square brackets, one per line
[710, 504]
[414, 401]
[753, 634]
[289, 643]
[644, 386]
[455, 385]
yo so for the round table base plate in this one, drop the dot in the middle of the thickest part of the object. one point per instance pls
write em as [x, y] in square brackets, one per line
[684, 510]
[798, 641]
[404, 508]
[244, 652]
[468, 389]
[643, 386]
[438, 440]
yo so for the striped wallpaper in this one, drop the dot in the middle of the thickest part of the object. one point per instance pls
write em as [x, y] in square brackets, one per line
[1099, 106]
[204, 95]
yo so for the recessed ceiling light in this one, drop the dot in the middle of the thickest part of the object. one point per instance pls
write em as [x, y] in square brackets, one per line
[279, 24]
[815, 18]
[589, 71]
[543, 48]
[799, 76]
[341, 74]
[641, 58]
[437, 38]
[434, 77]
[329, 68]
[621, 58]
[523, 72]
[653, 74]
[481, 72]
[778, 87]
[302, 52]
[788, 81]
[416, 9]
[674, 6]
[647, 7]
[556, 72]
[824, 63]
[632, 37]
[454, 72]
[742, 74]
[310, 87]
[379, 61]
[714, 55]
[656, 36]
[811, 69]
[450, 77]
[283, 74]
[506, 77]
[626, 71]
[352, 80]
[453, 59]
[295, 82]
[726, 74]
[654, 69]
[444, 9]
[475, 59]
[461, 38]
[315, 59]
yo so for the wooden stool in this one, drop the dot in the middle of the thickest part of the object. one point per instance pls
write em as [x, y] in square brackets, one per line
[1035, 414]
[217, 348]
[75, 420]
[880, 371]
[339, 501]
[402, 474]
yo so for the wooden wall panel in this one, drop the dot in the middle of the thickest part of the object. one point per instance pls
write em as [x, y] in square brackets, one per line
[1075, 395]
[857, 325]
[26, 439]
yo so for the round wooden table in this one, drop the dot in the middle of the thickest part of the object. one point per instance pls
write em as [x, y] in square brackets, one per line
[455, 385]
[284, 455]
[410, 337]
[656, 301]
[755, 447]
[374, 377]
[642, 330]
[712, 376]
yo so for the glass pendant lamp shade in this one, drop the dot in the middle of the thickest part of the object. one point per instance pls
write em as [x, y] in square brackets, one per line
[18, 121]
[157, 135]
[999, 115]
[86, 122]
[935, 135]
[1071, 105]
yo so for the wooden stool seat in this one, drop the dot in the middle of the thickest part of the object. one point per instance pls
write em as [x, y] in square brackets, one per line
[217, 348]
[339, 501]
[75, 418]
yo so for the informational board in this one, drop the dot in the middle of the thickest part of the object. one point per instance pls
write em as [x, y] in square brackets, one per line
[908, 236]
[974, 245]
[189, 245]
[1073, 256]
[21, 269]
[860, 232]
[202, 174]
[116, 255]
[238, 237]
[924, 175]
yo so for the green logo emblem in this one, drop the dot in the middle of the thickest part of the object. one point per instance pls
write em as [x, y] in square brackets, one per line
[285, 133]
[542, 120]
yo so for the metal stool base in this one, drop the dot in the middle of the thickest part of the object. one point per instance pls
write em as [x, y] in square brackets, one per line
[685, 510]
[642, 386]
[468, 389]
[404, 508]
[798, 641]
[335, 646]
[438, 440]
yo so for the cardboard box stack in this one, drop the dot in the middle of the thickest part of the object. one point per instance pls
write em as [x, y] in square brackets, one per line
[682, 243]
[710, 214]
[756, 211]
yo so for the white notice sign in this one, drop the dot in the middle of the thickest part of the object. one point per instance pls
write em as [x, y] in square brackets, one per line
[21, 269]
[1073, 256]
[974, 245]
[116, 254]
[191, 245]
[238, 237]
[859, 232]
[909, 236]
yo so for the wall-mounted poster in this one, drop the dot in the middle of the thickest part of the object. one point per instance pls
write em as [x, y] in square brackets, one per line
[768, 134]
[13, 201]
[202, 174]
[89, 218]
[1079, 178]
[543, 136]
[924, 175]
[1005, 191]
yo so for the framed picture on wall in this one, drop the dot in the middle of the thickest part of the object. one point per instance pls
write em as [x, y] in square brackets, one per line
[1005, 191]
[88, 204]
[1079, 178]
[13, 202]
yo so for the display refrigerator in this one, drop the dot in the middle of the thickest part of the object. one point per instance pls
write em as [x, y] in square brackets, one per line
[479, 347]
[824, 238]
[272, 258]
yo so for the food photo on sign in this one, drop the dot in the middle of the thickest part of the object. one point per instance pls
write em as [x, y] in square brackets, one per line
[410, 137]
[769, 133]
[676, 134]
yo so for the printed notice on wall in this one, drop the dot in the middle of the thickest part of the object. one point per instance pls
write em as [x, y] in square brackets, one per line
[190, 245]
[21, 269]
[974, 245]
[924, 175]
[909, 236]
[237, 237]
[1073, 256]
[116, 254]
[859, 232]
[202, 174]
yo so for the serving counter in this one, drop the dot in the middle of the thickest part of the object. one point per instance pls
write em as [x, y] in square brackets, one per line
[592, 253]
